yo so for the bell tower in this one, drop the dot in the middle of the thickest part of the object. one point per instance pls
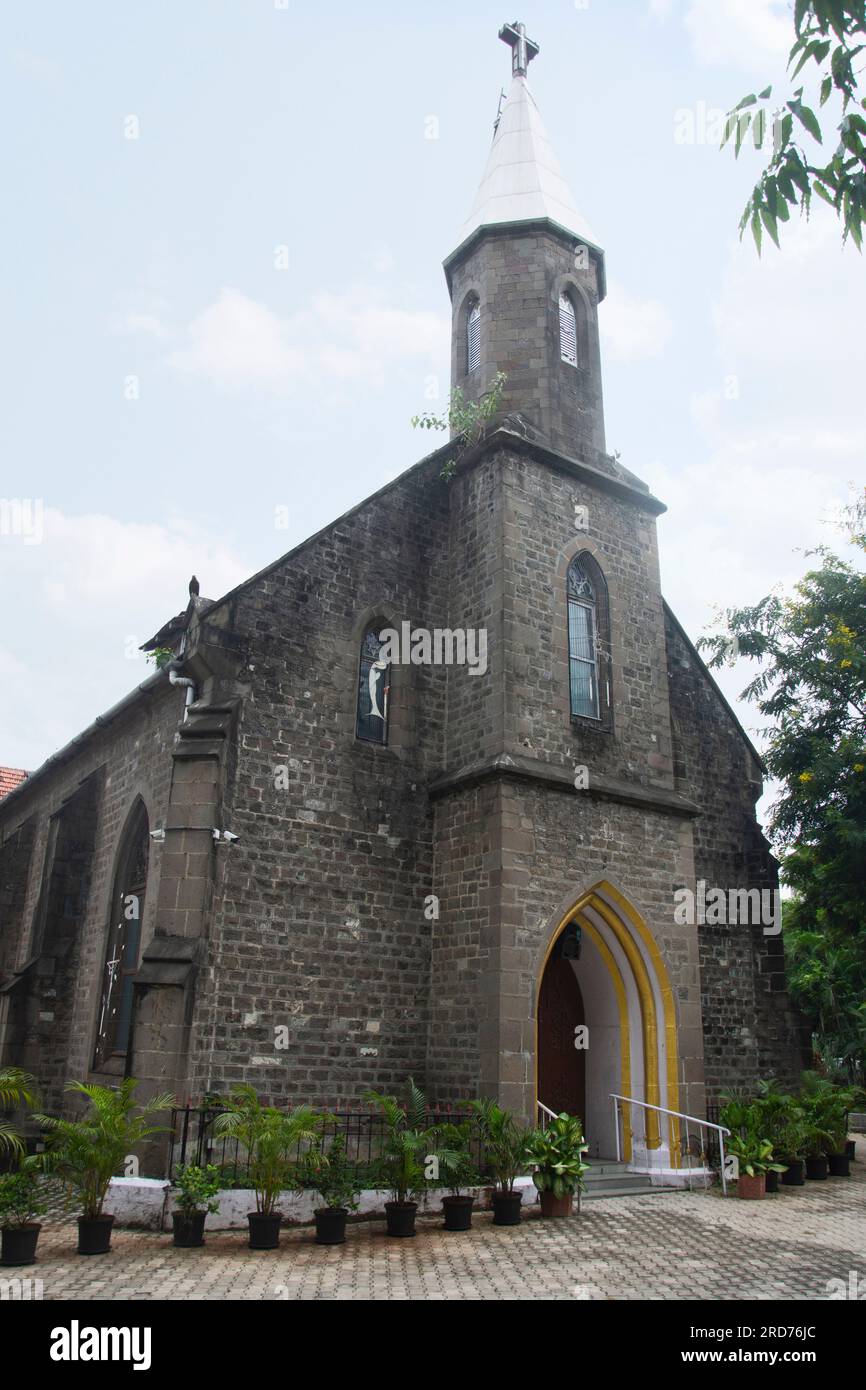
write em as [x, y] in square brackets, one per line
[525, 282]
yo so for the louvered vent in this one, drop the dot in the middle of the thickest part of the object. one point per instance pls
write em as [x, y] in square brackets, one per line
[473, 337]
[567, 331]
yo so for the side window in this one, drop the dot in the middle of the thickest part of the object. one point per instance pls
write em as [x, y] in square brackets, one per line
[124, 939]
[473, 336]
[588, 641]
[374, 689]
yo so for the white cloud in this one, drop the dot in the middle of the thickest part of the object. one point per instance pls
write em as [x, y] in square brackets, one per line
[743, 33]
[149, 324]
[239, 343]
[96, 588]
[631, 328]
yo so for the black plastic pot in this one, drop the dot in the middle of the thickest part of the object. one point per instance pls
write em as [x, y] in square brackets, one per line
[816, 1167]
[188, 1228]
[400, 1217]
[840, 1165]
[94, 1234]
[458, 1213]
[264, 1229]
[851, 1149]
[772, 1182]
[793, 1174]
[19, 1244]
[506, 1208]
[331, 1225]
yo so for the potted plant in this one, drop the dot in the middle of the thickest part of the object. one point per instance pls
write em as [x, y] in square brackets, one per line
[86, 1153]
[774, 1110]
[506, 1156]
[406, 1141]
[20, 1203]
[330, 1173]
[459, 1171]
[270, 1138]
[755, 1159]
[197, 1189]
[557, 1152]
[839, 1155]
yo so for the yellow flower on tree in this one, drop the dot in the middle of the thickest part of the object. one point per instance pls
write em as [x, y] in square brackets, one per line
[805, 776]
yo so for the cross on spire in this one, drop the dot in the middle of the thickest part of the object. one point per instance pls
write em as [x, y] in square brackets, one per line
[523, 50]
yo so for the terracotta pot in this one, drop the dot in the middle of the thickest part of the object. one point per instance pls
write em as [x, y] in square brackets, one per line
[556, 1206]
[750, 1189]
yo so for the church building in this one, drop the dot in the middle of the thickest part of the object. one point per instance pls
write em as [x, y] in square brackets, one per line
[428, 794]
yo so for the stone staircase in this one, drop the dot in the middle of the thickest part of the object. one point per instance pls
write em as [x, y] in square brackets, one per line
[607, 1178]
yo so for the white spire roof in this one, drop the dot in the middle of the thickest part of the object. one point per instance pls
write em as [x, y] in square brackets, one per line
[523, 181]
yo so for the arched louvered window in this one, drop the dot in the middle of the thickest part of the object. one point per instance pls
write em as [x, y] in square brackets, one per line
[473, 336]
[374, 689]
[588, 641]
[567, 330]
[124, 940]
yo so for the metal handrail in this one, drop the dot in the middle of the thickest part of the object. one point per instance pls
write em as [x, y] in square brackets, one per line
[546, 1112]
[678, 1114]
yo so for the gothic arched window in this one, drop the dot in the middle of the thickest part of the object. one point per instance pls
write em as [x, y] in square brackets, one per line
[473, 335]
[374, 689]
[124, 940]
[588, 641]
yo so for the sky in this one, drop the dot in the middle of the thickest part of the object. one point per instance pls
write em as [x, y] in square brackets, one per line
[223, 300]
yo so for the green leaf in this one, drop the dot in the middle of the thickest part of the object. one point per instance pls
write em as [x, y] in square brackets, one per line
[756, 229]
[769, 220]
[807, 118]
[826, 89]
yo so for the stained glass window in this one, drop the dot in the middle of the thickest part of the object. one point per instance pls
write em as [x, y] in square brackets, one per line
[374, 689]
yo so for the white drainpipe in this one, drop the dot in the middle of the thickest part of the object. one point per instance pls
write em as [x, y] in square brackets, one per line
[175, 679]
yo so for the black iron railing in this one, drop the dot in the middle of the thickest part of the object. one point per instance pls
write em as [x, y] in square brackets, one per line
[363, 1132]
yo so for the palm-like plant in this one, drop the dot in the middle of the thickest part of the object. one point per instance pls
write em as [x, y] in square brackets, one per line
[86, 1153]
[270, 1138]
[506, 1144]
[17, 1088]
[407, 1140]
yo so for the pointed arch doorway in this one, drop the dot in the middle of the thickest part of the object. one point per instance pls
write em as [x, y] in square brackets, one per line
[603, 974]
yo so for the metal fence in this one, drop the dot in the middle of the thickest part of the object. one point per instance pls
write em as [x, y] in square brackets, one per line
[363, 1132]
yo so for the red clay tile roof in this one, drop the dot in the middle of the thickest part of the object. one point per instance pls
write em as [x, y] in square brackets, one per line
[10, 777]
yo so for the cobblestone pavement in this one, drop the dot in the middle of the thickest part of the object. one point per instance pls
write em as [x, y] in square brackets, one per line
[660, 1246]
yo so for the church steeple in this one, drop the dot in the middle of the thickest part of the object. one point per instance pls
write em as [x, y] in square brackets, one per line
[526, 279]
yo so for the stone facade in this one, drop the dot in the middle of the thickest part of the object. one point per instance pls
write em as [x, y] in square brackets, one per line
[389, 909]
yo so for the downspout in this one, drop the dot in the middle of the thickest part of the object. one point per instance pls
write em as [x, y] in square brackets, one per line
[189, 684]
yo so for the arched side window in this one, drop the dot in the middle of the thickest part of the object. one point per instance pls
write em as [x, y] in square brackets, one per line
[588, 641]
[374, 690]
[124, 940]
[473, 336]
[567, 330]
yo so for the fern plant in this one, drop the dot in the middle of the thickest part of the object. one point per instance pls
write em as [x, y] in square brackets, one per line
[407, 1141]
[86, 1153]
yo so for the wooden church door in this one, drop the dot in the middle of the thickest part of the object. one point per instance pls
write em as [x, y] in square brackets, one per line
[561, 1066]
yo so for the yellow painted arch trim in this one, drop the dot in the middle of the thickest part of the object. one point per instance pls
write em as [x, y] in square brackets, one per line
[620, 927]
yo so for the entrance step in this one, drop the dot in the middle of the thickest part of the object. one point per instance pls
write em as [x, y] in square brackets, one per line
[608, 1178]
